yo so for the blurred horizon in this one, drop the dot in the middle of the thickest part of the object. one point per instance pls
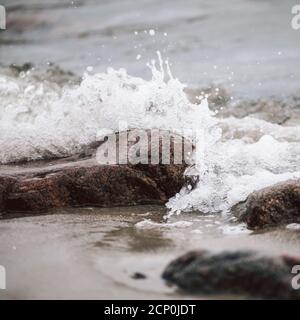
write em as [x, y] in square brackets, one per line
[246, 46]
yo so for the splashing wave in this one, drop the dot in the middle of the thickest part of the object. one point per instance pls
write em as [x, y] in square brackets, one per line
[233, 156]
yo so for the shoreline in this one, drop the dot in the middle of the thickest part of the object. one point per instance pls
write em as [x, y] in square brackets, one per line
[45, 256]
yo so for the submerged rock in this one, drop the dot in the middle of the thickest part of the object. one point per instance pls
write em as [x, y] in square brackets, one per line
[138, 276]
[244, 273]
[81, 181]
[271, 206]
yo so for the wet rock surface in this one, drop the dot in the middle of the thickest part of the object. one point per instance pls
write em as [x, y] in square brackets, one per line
[88, 183]
[53, 75]
[81, 181]
[271, 206]
[280, 111]
[245, 273]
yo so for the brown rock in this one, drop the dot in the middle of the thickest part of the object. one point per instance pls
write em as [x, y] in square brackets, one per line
[271, 206]
[81, 181]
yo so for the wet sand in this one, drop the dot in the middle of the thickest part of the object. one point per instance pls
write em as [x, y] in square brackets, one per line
[93, 253]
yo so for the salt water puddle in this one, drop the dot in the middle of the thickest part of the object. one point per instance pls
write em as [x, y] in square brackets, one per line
[233, 156]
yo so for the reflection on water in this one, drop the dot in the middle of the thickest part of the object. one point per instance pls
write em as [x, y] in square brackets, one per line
[132, 239]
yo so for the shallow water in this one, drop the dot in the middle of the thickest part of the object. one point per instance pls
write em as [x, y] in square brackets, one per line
[93, 253]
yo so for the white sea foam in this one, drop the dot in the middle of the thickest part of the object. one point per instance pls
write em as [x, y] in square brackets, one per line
[230, 230]
[149, 224]
[293, 226]
[37, 119]
[233, 156]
